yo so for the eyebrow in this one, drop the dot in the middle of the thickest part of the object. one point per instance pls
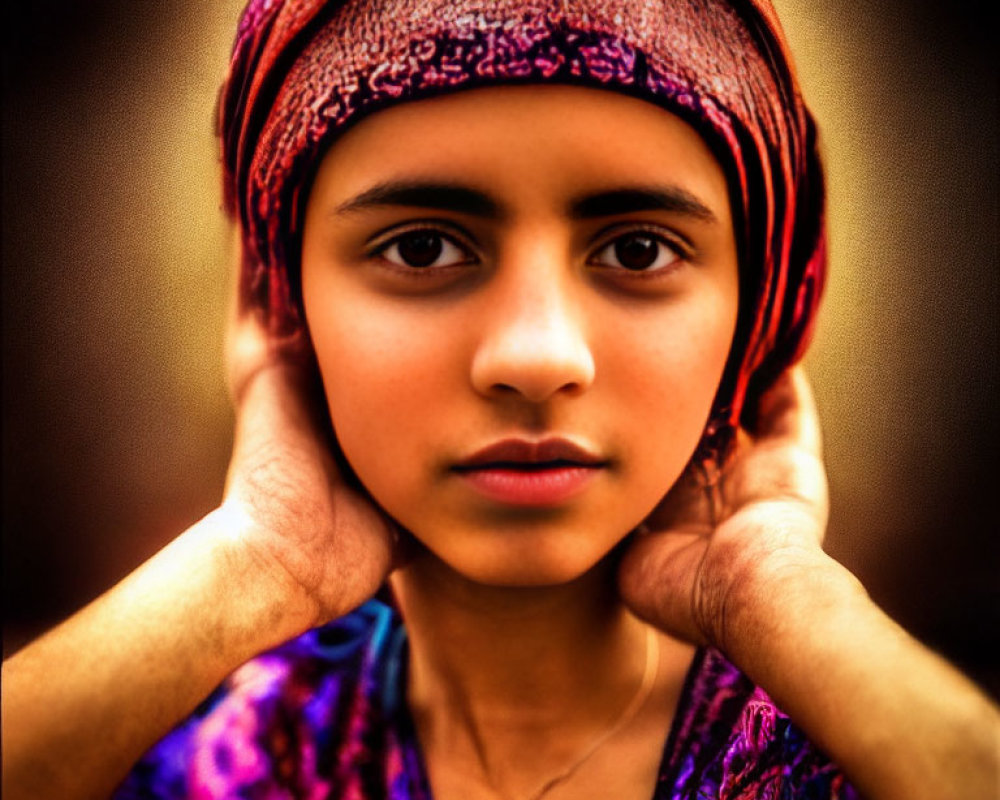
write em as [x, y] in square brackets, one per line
[465, 200]
[441, 196]
[672, 199]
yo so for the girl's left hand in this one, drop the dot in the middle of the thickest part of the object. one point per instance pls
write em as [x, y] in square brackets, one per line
[742, 569]
[712, 553]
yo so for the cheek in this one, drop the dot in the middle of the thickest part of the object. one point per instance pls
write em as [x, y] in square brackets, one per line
[386, 380]
[398, 385]
[668, 365]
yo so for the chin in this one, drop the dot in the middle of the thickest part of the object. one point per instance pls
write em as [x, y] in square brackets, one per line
[521, 576]
[523, 559]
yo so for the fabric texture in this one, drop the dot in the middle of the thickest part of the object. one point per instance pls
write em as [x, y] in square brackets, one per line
[324, 717]
[304, 70]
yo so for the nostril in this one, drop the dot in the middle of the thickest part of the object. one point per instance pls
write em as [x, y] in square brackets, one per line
[537, 389]
[535, 376]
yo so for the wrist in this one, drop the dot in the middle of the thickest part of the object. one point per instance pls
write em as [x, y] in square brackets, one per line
[856, 683]
[801, 614]
[141, 657]
[779, 591]
[264, 605]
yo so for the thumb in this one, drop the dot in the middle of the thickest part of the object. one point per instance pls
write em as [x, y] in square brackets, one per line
[658, 579]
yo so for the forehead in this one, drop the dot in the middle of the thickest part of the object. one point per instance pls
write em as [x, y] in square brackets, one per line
[525, 145]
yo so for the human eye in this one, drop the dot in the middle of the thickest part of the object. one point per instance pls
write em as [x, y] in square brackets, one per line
[421, 247]
[640, 250]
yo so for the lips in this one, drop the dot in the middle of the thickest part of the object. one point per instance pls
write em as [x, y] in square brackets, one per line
[530, 473]
[520, 453]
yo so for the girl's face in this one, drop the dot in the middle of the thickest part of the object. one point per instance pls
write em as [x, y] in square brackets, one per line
[522, 300]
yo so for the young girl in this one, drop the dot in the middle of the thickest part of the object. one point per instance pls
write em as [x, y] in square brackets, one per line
[514, 274]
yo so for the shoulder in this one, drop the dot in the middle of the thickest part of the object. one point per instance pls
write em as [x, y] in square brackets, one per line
[730, 741]
[283, 720]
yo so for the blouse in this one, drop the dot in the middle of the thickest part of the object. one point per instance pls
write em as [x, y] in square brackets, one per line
[324, 717]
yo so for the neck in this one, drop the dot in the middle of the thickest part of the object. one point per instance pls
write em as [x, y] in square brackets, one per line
[509, 676]
[515, 642]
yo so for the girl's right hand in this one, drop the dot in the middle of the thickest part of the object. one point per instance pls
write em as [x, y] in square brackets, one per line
[286, 500]
[291, 547]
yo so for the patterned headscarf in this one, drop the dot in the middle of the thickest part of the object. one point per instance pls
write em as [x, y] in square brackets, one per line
[303, 70]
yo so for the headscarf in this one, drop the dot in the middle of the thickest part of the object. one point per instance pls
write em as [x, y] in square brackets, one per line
[304, 70]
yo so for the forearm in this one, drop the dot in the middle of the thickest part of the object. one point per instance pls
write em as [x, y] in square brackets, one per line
[81, 704]
[899, 720]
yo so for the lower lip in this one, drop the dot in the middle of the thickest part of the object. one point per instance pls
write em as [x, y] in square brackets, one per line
[545, 487]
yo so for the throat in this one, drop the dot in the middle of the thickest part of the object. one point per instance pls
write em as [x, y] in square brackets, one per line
[477, 646]
[528, 692]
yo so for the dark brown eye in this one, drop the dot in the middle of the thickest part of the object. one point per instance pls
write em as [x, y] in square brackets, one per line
[637, 252]
[420, 249]
[423, 248]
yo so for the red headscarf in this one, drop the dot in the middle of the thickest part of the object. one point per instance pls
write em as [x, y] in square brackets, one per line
[303, 70]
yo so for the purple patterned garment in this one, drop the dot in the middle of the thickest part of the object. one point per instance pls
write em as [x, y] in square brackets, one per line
[323, 717]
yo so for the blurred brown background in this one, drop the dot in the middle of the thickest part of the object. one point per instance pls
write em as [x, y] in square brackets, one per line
[115, 422]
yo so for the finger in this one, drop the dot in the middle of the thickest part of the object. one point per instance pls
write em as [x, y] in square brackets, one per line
[245, 342]
[779, 473]
[787, 410]
[405, 546]
[246, 354]
[783, 461]
[251, 350]
[657, 578]
[250, 344]
[278, 415]
[688, 505]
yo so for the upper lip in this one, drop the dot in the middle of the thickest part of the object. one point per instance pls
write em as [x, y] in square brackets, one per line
[513, 452]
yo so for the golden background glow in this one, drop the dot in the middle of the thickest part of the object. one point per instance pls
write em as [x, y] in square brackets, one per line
[116, 423]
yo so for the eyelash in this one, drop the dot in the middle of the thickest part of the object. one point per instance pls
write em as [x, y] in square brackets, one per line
[613, 236]
[679, 250]
[449, 239]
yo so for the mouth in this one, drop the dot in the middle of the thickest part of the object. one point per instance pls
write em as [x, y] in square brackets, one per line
[535, 474]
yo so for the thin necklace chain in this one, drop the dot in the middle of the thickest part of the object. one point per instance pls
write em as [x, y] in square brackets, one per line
[628, 713]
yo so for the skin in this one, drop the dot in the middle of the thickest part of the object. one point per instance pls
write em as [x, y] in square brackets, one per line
[293, 545]
[525, 325]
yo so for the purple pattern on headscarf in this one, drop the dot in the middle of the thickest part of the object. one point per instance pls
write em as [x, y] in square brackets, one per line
[325, 716]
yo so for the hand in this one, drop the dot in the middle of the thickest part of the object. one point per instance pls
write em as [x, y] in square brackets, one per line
[292, 546]
[324, 541]
[714, 551]
[740, 568]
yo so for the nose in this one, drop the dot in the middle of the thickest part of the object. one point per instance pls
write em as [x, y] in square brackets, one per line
[534, 341]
